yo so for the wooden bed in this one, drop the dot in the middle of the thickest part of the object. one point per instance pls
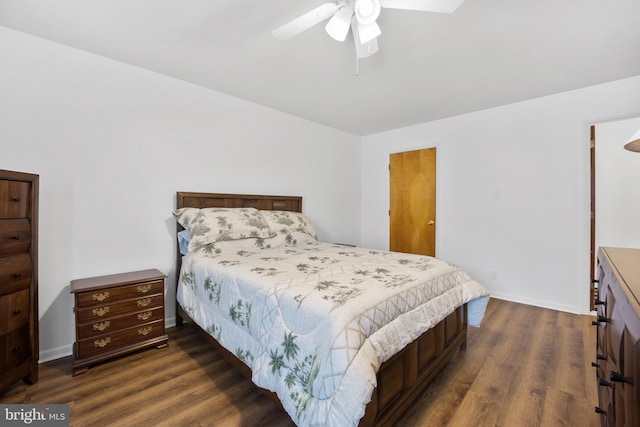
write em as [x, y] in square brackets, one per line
[401, 379]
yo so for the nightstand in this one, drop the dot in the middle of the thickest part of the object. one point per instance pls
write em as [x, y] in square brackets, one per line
[117, 314]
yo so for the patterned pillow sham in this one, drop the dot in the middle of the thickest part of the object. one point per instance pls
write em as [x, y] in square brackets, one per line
[286, 221]
[210, 225]
[254, 246]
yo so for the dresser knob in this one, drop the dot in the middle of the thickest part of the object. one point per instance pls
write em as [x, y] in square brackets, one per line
[616, 377]
[16, 237]
[16, 349]
[17, 275]
[16, 199]
[604, 383]
[16, 312]
[600, 411]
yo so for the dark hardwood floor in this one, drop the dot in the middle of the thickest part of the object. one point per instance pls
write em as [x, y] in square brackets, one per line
[526, 366]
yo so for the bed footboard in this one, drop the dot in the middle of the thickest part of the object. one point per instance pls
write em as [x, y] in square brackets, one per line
[400, 379]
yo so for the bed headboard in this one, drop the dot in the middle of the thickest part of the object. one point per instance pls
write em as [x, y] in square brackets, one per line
[217, 200]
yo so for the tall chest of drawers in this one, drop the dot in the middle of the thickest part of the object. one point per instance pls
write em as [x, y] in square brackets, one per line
[618, 337]
[19, 351]
[117, 314]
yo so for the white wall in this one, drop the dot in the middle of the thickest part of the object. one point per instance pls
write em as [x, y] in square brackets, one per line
[513, 191]
[617, 180]
[113, 143]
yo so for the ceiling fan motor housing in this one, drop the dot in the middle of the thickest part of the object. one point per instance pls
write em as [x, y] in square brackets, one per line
[367, 11]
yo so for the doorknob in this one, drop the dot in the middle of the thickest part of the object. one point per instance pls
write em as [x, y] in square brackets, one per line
[431, 222]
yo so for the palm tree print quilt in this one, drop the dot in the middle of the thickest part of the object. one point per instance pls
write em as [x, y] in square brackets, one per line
[315, 320]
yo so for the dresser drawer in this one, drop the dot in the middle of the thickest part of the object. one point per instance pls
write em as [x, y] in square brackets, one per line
[15, 273]
[105, 326]
[15, 236]
[14, 348]
[14, 311]
[102, 296]
[14, 199]
[112, 341]
[95, 313]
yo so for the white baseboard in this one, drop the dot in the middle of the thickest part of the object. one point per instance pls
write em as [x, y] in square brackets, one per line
[55, 353]
[537, 303]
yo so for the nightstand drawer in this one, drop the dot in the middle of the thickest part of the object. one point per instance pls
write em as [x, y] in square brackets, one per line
[15, 273]
[14, 348]
[112, 324]
[14, 199]
[95, 313]
[107, 342]
[14, 311]
[112, 294]
[15, 236]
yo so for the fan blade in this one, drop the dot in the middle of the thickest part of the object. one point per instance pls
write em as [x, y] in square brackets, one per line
[338, 26]
[442, 6]
[363, 50]
[305, 21]
[368, 32]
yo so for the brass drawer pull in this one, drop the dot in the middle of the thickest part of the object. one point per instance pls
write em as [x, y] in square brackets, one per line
[143, 289]
[102, 343]
[144, 316]
[101, 326]
[100, 311]
[145, 331]
[144, 302]
[100, 297]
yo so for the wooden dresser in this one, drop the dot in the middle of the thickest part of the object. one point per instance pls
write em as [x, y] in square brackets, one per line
[618, 337]
[18, 278]
[117, 314]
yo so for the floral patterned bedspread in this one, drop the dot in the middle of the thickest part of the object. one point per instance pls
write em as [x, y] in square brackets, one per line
[314, 320]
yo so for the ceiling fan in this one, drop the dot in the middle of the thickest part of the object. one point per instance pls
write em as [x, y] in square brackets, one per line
[360, 16]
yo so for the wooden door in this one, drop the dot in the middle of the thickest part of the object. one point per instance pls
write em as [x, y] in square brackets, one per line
[412, 214]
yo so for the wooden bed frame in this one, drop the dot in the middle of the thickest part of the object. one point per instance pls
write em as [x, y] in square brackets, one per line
[401, 379]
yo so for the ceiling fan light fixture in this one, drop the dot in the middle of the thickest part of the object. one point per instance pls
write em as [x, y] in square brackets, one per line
[367, 11]
[634, 143]
[338, 25]
[368, 32]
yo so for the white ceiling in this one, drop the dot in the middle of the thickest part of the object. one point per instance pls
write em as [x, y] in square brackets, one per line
[430, 66]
